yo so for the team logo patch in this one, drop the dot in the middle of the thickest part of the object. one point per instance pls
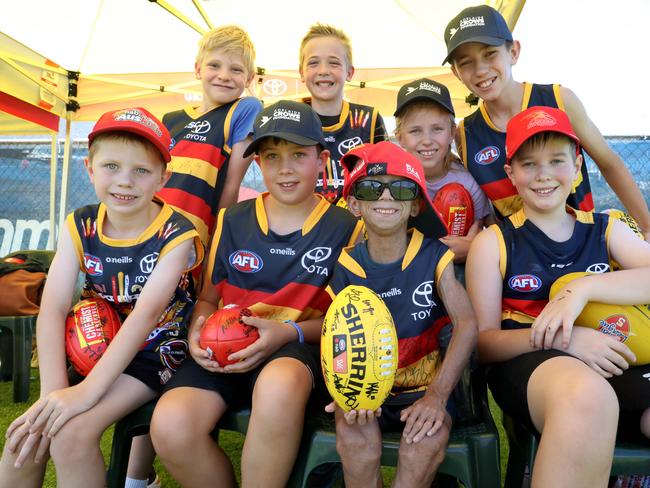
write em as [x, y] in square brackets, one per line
[173, 353]
[93, 264]
[246, 261]
[487, 155]
[525, 283]
[377, 169]
[339, 349]
[617, 326]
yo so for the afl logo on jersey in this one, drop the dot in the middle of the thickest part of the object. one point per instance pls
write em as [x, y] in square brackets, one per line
[525, 283]
[93, 264]
[246, 261]
[487, 155]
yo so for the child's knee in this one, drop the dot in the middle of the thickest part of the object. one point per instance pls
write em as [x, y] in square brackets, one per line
[171, 425]
[283, 384]
[74, 441]
[645, 423]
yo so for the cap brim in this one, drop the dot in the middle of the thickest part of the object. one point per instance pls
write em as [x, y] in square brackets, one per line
[422, 97]
[287, 136]
[489, 40]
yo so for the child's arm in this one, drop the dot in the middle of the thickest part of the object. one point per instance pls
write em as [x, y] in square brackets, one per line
[58, 407]
[427, 414]
[459, 245]
[630, 286]
[610, 164]
[237, 167]
[205, 306]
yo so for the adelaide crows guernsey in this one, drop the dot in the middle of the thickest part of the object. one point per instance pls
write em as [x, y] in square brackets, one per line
[201, 148]
[118, 269]
[408, 287]
[357, 124]
[483, 153]
[279, 277]
[530, 261]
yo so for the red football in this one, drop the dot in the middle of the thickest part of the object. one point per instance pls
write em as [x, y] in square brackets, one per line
[223, 333]
[89, 329]
[454, 206]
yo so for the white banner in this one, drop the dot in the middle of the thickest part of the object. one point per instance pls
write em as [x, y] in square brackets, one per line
[24, 234]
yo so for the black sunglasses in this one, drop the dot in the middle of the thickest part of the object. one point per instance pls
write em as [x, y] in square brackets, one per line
[371, 190]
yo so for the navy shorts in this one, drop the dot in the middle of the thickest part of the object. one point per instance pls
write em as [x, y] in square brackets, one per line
[391, 410]
[236, 389]
[508, 382]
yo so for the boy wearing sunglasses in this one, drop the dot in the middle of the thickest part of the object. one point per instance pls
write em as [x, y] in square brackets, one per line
[413, 272]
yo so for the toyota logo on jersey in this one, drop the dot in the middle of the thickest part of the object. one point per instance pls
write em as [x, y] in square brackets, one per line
[246, 261]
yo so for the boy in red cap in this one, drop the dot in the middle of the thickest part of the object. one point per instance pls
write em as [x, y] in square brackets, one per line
[565, 382]
[482, 51]
[413, 272]
[135, 252]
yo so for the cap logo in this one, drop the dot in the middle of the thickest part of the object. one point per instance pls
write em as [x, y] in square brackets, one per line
[286, 114]
[375, 169]
[539, 119]
[430, 87]
[476, 21]
[413, 172]
[264, 120]
[410, 89]
[452, 32]
[360, 165]
[134, 115]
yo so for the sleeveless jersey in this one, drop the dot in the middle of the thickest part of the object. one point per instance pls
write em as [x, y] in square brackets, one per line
[118, 269]
[408, 287]
[279, 277]
[530, 261]
[200, 155]
[357, 125]
[483, 153]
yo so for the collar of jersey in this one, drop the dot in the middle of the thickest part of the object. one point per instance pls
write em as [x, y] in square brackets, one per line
[314, 217]
[153, 227]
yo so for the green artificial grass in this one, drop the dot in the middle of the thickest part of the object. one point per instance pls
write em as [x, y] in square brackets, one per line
[231, 442]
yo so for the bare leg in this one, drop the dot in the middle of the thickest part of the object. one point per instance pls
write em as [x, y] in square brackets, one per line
[180, 431]
[30, 475]
[75, 448]
[359, 447]
[645, 423]
[280, 395]
[418, 462]
[576, 411]
[141, 458]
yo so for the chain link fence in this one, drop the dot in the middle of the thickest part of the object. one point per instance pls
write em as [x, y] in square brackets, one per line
[25, 185]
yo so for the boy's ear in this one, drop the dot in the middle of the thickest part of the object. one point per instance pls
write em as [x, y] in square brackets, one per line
[250, 79]
[415, 207]
[453, 70]
[89, 168]
[515, 49]
[353, 206]
[508, 170]
[164, 178]
[579, 162]
[197, 70]
[350, 74]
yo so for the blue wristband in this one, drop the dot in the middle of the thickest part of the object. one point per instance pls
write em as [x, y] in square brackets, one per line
[301, 336]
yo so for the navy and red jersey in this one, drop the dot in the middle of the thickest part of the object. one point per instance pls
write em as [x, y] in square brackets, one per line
[279, 277]
[118, 269]
[530, 261]
[201, 148]
[356, 125]
[482, 149]
[409, 289]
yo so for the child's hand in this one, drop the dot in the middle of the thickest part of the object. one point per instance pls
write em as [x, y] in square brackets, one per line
[273, 335]
[561, 311]
[201, 356]
[601, 352]
[424, 417]
[35, 442]
[459, 245]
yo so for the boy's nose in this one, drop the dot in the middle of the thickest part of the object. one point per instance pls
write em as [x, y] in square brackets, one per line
[385, 194]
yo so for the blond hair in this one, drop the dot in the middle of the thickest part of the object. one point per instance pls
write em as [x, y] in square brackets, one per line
[425, 104]
[327, 30]
[124, 137]
[232, 40]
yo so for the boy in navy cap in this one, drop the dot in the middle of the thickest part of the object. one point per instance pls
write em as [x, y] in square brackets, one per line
[482, 51]
[414, 274]
[295, 237]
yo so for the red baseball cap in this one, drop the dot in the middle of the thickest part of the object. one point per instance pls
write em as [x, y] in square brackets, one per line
[137, 121]
[386, 158]
[534, 120]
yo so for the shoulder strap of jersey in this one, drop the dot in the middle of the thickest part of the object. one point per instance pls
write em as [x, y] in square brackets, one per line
[226, 126]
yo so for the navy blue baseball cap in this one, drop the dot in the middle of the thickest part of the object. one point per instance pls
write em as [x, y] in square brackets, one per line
[292, 121]
[481, 24]
[424, 89]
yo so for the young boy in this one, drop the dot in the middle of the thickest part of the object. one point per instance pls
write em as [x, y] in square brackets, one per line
[566, 382]
[413, 274]
[135, 251]
[425, 127]
[209, 139]
[325, 66]
[273, 255]
[481, 52]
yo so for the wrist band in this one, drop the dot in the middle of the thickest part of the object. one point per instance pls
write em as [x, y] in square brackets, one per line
[301, 336]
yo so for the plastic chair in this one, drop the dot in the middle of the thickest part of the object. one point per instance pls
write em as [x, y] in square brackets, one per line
[472, 453]
[16, 357]
[629, 458]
